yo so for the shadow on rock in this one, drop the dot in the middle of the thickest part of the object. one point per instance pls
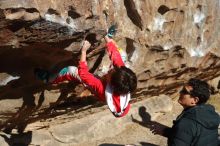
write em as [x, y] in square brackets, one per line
[147, 144]
[20, 63]
[155, 127]
[23, 139]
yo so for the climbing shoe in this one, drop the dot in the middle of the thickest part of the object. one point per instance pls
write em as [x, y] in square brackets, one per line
[42, 74]
[112, 31]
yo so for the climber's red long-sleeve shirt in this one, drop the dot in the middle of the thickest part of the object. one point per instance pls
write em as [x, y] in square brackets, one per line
[98, 86]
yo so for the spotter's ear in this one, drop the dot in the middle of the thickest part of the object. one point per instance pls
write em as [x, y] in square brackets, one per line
[196, 100]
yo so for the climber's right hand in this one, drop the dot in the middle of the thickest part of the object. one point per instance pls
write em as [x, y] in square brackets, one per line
[86, 46]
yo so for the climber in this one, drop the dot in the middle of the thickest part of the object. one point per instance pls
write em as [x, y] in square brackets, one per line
[114, 88]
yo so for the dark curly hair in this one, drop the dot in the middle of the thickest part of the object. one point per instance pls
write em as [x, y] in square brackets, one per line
[123, 80]
[201, 90]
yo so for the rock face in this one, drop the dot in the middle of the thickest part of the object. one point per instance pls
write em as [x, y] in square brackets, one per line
[95, 129]
[167, 42]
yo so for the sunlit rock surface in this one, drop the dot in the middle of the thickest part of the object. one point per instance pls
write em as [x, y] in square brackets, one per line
[167, 42]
